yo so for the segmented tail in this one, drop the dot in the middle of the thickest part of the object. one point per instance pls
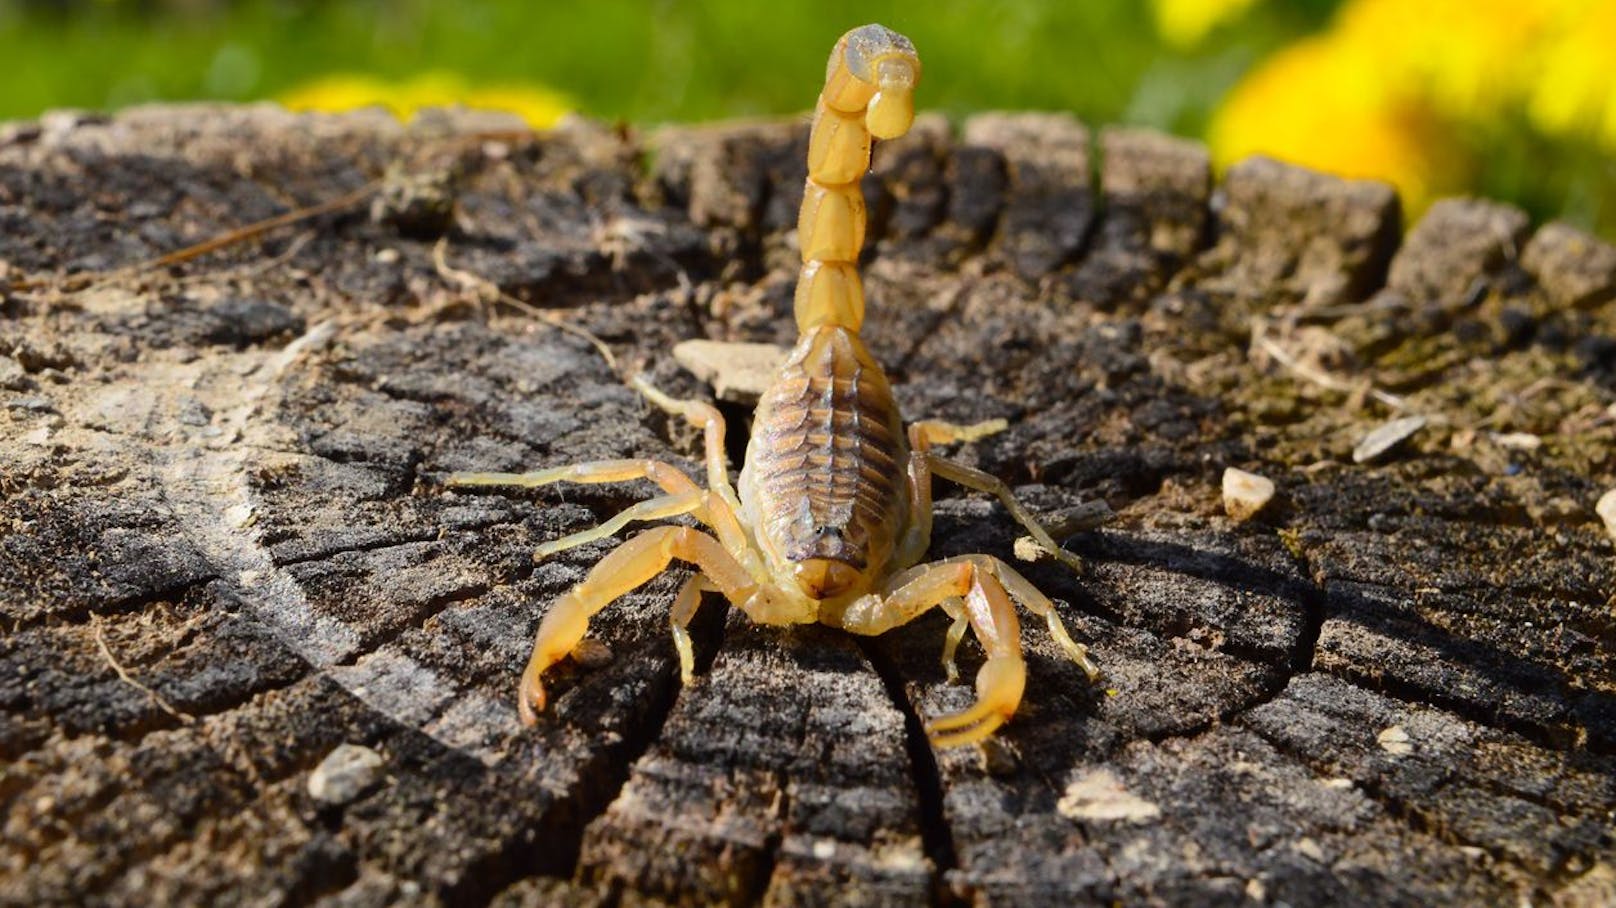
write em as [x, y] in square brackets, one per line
[869, 91]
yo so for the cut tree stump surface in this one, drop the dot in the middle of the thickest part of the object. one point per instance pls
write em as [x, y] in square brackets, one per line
[225, 548]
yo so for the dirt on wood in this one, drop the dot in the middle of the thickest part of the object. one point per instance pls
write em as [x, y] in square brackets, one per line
[226, 551]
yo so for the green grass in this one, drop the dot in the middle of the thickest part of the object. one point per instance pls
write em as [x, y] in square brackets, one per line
[645, 61]
[634, 60]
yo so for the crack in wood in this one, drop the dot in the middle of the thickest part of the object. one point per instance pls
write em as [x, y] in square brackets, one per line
[1415, 819]
[935, 835]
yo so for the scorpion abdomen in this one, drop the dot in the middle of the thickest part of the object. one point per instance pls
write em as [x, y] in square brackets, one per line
[825, 465]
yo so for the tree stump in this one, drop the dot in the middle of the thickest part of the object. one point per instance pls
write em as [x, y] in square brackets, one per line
[225, 548]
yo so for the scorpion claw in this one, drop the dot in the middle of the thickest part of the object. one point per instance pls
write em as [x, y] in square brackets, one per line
[530, 698]
[999, 685]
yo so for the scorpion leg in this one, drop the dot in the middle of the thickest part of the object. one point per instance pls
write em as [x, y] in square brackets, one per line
[707, 418]
[710, 507]
[955, 607]
[988, 609]
[669, 477]
[924, 464]
[1033, 600]
[723, 507]
[684, 610]
[652, 509]
[972, 478]
[936, 432]
[626, 568]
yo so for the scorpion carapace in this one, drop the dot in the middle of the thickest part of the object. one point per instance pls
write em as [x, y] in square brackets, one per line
[834, 508]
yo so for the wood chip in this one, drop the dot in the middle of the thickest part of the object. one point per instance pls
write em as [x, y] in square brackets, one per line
[738, 372]
[1385, 438]
[1027, 548]
[1394, 740]
[1518, 441]
[1244, 494]
[1099, 795]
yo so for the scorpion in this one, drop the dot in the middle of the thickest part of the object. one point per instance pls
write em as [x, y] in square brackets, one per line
[834, 509]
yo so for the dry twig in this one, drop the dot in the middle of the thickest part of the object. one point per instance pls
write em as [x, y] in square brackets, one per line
[123, 674]
[487, 290]
[213, 244]
[1261, 341]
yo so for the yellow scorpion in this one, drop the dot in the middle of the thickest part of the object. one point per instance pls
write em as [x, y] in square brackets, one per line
[834, 507]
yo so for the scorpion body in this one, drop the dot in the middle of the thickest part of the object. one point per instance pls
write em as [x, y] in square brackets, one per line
[822, 468]
[820, 471]
[833, 513]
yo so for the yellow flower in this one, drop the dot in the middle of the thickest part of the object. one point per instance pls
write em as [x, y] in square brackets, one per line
[1576, 89]
[541, 107]
[1183, 23]
[1319, 104]
[1391, 87]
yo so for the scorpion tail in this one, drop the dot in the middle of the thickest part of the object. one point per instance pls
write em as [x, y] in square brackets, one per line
[869, 92]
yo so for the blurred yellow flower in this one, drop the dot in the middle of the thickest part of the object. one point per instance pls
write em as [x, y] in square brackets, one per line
[1576, 93]
[1463, 57]
[541, 107]
[1314, 104]
[1386, 90]
[1183, 23]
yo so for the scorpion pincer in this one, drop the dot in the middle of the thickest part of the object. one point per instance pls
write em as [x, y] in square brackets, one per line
[833, 514]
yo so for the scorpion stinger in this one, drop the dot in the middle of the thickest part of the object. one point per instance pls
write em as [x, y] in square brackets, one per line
[833, 510]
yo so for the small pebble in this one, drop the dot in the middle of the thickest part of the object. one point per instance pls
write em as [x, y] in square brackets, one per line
[1310, 849]
[1386, 437]
[1606, 509]
[193, 412]
[345, 774]
[12, 375]
[33, 403]
[1244, 494]
[1027, 548]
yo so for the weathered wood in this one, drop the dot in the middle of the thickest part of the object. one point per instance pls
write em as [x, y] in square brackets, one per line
[225, 549]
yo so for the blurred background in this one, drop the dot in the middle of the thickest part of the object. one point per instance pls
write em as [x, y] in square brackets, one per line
[1513, 99]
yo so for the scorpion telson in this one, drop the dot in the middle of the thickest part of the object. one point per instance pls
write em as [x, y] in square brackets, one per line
[834, 510]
